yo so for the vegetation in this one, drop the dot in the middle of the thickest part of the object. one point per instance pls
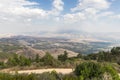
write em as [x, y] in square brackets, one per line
[22, 61]
[5, 76]
[63, 57]
[109, 56]
[48, 60]
[87, 67]
[18, 60]
[91, 71]
[84, 71]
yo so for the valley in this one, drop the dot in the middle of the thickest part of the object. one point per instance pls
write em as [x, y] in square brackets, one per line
[42, 45]
[43, 56]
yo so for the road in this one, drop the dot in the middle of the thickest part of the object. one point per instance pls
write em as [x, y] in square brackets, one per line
[39, 71]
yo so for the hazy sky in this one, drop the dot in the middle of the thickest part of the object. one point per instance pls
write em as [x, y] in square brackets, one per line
[18, 16]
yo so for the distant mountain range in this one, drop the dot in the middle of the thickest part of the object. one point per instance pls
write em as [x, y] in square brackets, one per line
[7, 35]
[79, 35]
[73, 40]
[74, 35]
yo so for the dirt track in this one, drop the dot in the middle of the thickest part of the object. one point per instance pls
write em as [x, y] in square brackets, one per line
[39, 71]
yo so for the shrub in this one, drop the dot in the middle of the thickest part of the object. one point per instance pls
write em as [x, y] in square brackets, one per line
[89, 70]
[49, 60]
[114, 74]
[63, 57]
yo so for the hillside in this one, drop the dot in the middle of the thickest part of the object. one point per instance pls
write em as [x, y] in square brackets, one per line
[78, 45]
[56, 52]
[22, 55]
[10, 46]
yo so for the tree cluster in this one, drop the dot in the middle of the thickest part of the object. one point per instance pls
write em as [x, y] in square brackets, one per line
[108, 56]
[19, 60]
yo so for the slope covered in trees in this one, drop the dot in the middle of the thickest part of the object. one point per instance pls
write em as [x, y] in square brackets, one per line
[109, 56]
[97, 66]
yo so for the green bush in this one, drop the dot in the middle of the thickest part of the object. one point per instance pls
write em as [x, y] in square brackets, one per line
[114, 74]
[89, 70]
[95, 71]
[18, 60]
[70, 77]
[63, 57]
[49, 60]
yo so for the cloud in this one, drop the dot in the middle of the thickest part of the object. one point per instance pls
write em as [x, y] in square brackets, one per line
[71, 18]
[21, 15]
[58, 5]
[14, 10]
[92, 15]
[94, 4]
[57, 8]
[89, 10]
[24, 8]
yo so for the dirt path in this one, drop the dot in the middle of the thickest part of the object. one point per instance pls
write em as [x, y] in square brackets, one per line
[39, 71]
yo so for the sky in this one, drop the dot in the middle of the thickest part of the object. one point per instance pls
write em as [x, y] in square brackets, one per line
[19, 16]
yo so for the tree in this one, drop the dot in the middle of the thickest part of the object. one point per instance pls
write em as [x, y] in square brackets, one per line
[2, 65]
[79, 56]
[14, 61]
[49, 60]
[24, 61]
[89, 70]
[37, 58]
[115, 50]
[63, 57]
[19, 60]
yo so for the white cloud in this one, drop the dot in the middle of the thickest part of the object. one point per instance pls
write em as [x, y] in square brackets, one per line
[24, 8]
[96, 4]
[58, 5]
[15, 9]
[21, 15]
[90, 10]
[92, 15]
[74, 17]
[57, 8]
[117, 16]
[106, 14]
